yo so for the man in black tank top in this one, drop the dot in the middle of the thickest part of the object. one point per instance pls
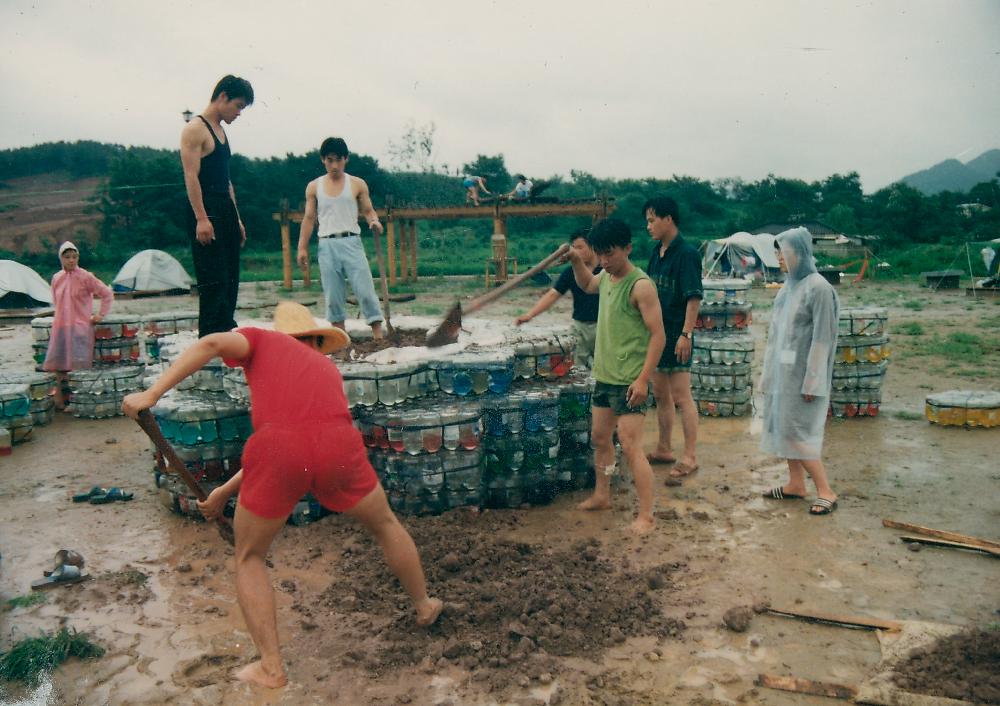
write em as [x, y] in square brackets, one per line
[217, 233]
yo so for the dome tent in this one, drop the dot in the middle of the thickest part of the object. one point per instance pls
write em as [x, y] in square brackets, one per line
[742, 254]
[21, 287]
[151, 271]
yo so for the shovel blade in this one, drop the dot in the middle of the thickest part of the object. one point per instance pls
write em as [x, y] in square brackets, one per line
[447, 331]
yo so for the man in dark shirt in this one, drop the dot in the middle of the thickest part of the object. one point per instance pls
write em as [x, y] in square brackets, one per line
[216, 228]
[584, 305]
[675, 268]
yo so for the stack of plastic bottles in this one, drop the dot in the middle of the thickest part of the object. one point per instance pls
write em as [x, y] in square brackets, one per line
[16, 422]
[723, 350]
[157, 326]
[97, 393]
[207, 429]
[965, 408]
[860, 364]
[41, 390]
[480, 427]
[116, 340]
[427, 454]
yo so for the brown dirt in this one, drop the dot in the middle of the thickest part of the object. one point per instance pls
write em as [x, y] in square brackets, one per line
[508, 601]
[50, 208]
[404, 338]
[964, 666]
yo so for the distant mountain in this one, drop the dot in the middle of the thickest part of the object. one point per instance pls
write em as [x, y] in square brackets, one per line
[952, 175]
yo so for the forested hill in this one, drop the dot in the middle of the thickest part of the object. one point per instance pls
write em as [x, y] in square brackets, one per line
[952, 175]
[133, 198]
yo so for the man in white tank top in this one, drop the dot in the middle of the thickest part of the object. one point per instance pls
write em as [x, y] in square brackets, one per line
[335, 199]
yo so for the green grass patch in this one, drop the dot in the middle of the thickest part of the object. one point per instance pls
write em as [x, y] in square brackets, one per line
[32, 599]
[914, 304]
[907, 415]
[959, 347]
[910, 328]
[32, 657]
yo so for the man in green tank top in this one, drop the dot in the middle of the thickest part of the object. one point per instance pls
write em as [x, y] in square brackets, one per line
[630, 341]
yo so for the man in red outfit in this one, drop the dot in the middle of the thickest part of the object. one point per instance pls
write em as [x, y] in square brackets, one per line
[299, 414]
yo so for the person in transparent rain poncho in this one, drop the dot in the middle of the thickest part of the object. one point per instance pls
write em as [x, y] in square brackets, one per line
[798, 371]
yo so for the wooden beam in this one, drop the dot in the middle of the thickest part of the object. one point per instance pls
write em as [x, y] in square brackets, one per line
[843, 621]
[390, 246]
[807, 686]
[413, 251]
[953, 545]
[943, 534]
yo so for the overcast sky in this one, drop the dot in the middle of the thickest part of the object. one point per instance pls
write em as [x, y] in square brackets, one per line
[620, 89]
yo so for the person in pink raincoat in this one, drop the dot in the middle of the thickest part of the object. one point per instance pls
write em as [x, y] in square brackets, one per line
[71, 343]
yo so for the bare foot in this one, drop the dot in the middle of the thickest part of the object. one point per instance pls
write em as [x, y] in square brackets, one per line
[594, 503]
[643, 525]
[661, 457]
[428, 613]
[254, 673]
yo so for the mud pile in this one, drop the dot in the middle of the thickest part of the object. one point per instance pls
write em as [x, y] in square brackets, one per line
[965, 666]
[366, 346]
[510, 605]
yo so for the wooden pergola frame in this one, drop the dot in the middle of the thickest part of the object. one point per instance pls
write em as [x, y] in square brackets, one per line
[402, 261]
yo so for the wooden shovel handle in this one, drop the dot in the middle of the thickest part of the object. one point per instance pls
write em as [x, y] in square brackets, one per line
[381, 271]
[481, 301]
[148, 423]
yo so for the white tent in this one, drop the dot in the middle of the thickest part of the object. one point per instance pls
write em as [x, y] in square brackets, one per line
[21, 287]
[151, 271]
[741, 254]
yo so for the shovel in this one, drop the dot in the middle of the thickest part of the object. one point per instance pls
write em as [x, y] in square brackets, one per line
[148, 423]
[447, 331]
[390, 331]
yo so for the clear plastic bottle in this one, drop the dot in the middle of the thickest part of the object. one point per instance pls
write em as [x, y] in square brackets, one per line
[431, 432]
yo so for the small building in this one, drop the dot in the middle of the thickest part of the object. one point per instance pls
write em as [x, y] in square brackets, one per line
[826, 239]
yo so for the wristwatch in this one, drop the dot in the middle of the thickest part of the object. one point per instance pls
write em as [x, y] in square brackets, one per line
[687, 334]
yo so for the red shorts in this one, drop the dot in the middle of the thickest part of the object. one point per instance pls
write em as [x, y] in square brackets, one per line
[281, 463]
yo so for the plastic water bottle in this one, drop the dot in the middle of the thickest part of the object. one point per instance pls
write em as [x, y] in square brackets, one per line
[5, 442]
[431, 432]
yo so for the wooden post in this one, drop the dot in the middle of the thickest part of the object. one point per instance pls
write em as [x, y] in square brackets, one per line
[499, 242]
[390, 246]
[286, 244]
[413, 250]
[404, 272]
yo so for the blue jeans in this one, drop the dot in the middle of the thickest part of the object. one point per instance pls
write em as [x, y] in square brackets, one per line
[340, 260]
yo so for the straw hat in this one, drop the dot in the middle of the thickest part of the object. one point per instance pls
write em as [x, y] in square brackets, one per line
[295, 320]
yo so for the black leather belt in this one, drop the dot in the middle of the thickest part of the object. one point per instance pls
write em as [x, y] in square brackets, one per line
[345, 234]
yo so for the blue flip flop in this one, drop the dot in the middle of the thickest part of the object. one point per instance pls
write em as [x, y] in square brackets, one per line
[84, 497]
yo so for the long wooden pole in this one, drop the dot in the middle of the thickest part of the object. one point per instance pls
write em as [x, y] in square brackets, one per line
[175, 465]
[943, 534]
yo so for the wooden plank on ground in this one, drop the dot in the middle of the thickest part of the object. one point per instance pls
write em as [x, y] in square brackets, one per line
[392, 297]
[807, 686]
[942, 534]
[844, 621]
[954, 545]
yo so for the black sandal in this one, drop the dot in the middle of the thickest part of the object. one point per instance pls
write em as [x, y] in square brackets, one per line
[779, 494]
[826, 507]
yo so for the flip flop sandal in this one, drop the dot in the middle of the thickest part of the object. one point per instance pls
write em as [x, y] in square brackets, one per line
[65, 557]
[65, 574]
[826, 507]
[682, 469]
[779, 494]
[111, 496]
[84, 497]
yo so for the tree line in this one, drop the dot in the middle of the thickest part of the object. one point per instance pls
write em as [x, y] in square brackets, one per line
[143, 202]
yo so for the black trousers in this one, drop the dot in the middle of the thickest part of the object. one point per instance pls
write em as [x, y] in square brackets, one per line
[217, 266]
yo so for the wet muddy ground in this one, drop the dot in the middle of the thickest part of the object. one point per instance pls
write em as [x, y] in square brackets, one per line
[544, 605]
